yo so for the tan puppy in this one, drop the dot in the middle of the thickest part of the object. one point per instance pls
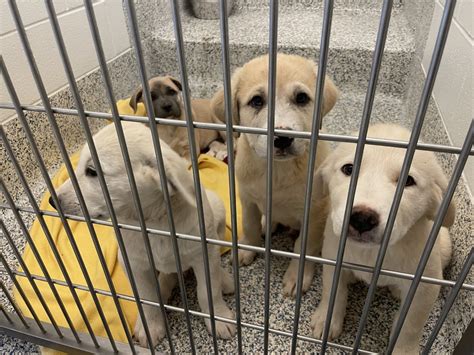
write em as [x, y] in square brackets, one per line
[168, 103]
[376, 186]
[295, 88]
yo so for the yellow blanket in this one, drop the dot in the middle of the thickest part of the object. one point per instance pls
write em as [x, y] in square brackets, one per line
[213, 176]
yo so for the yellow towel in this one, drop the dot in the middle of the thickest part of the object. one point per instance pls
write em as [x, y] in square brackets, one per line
[213, 176]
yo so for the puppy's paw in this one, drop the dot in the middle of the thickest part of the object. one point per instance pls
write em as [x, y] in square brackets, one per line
[246, 257]
[317, 323]
[217, 150]
[223, 330]
[291, 277]
[157, 332]
[227, 283]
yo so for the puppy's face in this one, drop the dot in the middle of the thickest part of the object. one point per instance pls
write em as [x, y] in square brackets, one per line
[166, 95]
[140, 147]
[376, 187]
[294, 102]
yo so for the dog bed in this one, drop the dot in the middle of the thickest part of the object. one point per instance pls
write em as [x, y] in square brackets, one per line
[214, 177]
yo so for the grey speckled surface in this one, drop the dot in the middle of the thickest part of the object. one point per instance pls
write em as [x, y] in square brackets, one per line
[352, 43]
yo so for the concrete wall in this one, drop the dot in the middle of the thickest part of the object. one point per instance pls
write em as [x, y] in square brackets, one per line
[453, 91]
[76, 33]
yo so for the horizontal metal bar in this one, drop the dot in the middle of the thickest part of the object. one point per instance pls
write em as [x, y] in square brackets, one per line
[66, 344]
[194, 313]
[261, 250]
[440, 148]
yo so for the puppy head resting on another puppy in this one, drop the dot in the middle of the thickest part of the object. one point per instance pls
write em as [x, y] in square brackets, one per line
[144, 165]
[295, 90]
[166, 96]
[376, 186]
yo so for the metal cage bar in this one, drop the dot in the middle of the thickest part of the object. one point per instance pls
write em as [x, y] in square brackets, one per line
[224, 29]
[364, 126]
[316, 126]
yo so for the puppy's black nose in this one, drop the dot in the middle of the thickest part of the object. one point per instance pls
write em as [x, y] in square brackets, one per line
[364, 219]
[51, 202]
[166, 108]
[282, 142]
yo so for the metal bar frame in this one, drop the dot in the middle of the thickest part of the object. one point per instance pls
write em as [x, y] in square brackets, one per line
[99, 344]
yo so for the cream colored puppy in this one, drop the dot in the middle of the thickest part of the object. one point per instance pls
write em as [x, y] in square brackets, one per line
[295, 88]
[168, 102]
[182, 195]
[376, 186]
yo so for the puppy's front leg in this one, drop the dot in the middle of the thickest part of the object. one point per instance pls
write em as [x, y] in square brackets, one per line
[315, 237]
[411, 333]
[252, 229]
[319, 316]
[224, 330]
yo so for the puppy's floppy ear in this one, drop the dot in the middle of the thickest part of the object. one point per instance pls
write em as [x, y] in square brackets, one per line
[320, 181]
[331, 92]
[136, 98]
[180, 183]
[218, 104]
[176, 82]
[440, 184]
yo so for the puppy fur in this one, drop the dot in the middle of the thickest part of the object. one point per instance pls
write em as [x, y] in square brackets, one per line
[182, 195]
[168, 103]
[295, 88]
[376, 186]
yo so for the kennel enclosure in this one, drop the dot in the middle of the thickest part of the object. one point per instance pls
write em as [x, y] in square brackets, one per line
[20, 200]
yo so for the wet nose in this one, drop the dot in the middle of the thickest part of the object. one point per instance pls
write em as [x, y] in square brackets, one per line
[166, 108]
[282, 142]
[364, 219]
[51, 202]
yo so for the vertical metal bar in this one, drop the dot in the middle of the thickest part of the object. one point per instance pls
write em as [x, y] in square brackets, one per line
[28, 275]
[432, 236]
[272, 71]
[317, 122]
[194, 160]
[75, 93]
[126, 157]
[44, 98]
[37, 255]
[224, 29]
[417, 126]
[44, 173]
[6, 314]
[449, 301]
[367, 111]
[25, 299]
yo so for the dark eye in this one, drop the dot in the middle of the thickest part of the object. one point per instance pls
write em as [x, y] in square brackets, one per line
[90, 171]
[410, 181]
[256, 101]
[302, 98]
[347, 169]
[170, 92]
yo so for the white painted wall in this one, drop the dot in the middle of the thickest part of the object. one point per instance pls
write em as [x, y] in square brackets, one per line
[453, 91]
[75, 29]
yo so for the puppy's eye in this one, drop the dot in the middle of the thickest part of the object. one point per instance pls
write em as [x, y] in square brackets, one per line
[257, 101]
[410, 181]
[90, 171]
[170, 92]
[347, 169]
[302, 98]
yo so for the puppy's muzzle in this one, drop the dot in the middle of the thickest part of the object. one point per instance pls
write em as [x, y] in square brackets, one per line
[363, 220]
[283, 143]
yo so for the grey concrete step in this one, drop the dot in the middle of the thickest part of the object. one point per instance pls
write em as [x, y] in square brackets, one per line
[351, 45]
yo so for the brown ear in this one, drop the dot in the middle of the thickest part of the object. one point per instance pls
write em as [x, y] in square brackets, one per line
[330, 95]
[218, 104]
[176, 82]
[136, 98]
[439, 189]
[320, 183]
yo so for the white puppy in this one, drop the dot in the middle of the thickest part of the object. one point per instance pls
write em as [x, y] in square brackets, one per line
[181, 188]
[375, 190]
[295, 88]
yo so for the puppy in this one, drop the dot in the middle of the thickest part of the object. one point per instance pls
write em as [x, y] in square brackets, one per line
[181, 188]
[168, 103]
[376, 186]
[295, 88]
